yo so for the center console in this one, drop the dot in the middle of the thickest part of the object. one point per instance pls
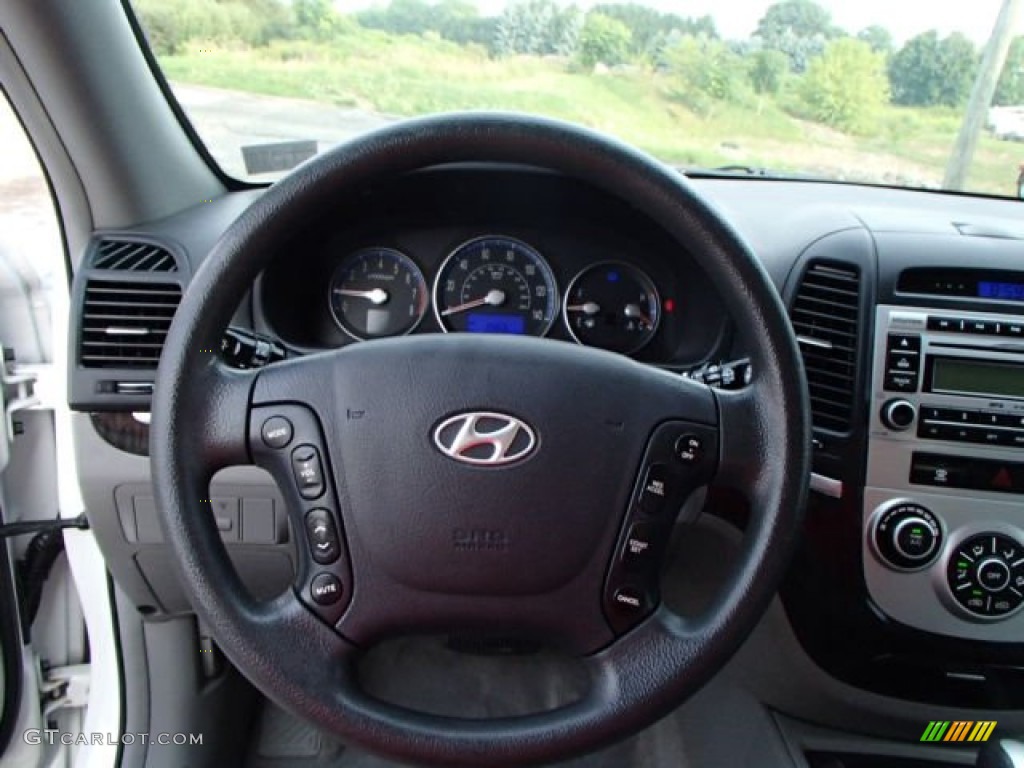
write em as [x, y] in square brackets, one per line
[943, 508]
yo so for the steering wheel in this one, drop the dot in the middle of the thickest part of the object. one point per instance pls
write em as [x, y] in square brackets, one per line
[479, 483]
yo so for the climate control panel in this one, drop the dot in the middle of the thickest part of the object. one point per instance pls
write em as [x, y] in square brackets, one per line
[907, 536]
[946, 563]
[986, 575]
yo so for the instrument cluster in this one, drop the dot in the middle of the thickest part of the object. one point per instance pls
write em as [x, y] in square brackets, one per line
[494, 284]
[492, 250]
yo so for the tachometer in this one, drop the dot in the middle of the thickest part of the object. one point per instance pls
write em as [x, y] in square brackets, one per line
[378, 292]
[496, 284]
[613, 306]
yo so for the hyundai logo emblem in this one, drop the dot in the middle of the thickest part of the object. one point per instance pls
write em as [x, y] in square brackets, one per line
[484, 438]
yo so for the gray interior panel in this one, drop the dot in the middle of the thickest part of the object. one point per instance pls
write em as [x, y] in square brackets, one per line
[119, 500]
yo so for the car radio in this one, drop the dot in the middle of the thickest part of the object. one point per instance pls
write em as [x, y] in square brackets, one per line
[944, 498]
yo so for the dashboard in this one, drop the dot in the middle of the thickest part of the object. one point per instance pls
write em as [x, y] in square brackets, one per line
[456, 252]
[908, 307]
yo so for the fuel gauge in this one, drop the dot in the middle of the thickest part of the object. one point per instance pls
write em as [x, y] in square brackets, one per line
[613, 306]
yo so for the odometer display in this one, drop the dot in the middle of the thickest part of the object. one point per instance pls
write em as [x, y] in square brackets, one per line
[496, 284]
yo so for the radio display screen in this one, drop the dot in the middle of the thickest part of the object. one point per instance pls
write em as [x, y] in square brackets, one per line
[977, 377]
[1003, 291]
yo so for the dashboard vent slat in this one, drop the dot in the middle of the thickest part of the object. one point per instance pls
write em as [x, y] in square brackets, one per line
[826, 316]
[132, 256]
[124, 324]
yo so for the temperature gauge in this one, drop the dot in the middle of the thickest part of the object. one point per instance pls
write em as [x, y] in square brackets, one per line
[612, 306]
[378, 292]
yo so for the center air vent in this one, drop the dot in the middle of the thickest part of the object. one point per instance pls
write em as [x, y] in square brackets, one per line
[124, 324]
[132, 256]
[825, 317]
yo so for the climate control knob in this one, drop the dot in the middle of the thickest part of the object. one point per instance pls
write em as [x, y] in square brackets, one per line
[907, 536]
[898, 414]
[986, 575]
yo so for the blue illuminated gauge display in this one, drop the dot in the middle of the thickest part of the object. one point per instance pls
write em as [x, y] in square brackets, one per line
[613, 306]
[496, 284]
[378, 292]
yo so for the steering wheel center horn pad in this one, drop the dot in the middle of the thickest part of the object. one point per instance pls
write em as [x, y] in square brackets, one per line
[502, 485]
[435, 539]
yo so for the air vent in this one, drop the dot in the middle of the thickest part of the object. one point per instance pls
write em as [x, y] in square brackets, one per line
[132, 256]
[825, 316]
[124, 324]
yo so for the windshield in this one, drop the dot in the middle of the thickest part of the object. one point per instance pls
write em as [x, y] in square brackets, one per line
[896, 93]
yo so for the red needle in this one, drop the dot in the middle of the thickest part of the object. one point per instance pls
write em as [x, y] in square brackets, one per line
[494, 298]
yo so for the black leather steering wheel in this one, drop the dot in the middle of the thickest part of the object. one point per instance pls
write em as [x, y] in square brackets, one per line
[395, 535]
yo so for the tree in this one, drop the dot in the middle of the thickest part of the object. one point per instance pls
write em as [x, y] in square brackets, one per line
[928, 71]
[538, 27]
[768, 69]
[804, 18]
[170, 24]
[799, 28]
[311, 14]
[705, 68]
[879, 38]
[846, 86]
[604, 40]
[400, 17]
[1010, 91]
[455, 20]
[460, 22]
[649, 27]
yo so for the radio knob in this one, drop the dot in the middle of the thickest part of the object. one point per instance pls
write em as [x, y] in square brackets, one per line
[899, 414]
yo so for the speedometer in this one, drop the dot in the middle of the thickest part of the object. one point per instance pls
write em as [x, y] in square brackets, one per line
[496, 284]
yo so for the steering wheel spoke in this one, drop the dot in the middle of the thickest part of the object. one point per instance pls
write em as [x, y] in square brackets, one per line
[680, 457]
[219, 402]
[287, 440]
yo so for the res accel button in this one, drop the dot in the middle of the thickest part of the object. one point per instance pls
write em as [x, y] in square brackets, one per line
[277, 432]
[308, 471]
[654, 492]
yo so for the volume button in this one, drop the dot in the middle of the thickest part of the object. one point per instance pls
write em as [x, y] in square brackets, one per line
[898, 415]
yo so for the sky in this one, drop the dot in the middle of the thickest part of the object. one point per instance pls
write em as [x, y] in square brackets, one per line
[738, 18]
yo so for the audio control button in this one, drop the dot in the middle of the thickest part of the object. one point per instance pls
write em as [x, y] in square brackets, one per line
[947, 324]
[900, 381]
[904, 342]
[898, 415]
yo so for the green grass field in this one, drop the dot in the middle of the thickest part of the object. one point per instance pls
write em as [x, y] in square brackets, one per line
[409, 75]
